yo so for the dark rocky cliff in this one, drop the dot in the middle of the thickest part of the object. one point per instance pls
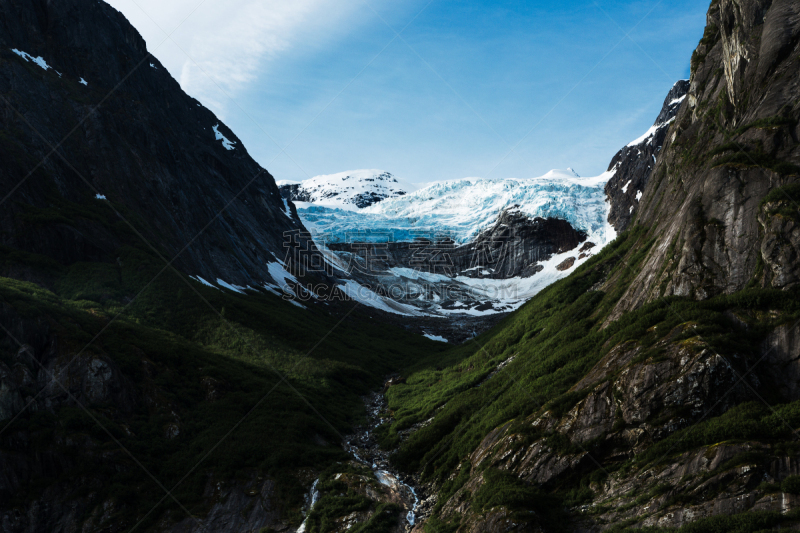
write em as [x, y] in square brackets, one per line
[514, 245]
[634, 163]
[734, 140]
[131, 135]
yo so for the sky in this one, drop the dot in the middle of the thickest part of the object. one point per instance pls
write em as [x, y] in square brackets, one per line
[426, 89]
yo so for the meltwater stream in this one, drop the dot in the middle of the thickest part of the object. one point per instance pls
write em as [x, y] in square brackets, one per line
[363, 447]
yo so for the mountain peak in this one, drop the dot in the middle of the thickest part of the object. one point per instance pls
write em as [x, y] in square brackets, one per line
[351, 189]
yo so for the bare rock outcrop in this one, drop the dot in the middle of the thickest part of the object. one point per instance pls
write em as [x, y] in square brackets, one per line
[734, 140]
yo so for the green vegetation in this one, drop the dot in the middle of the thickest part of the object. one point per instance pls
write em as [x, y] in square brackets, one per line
[743, 154]
[783, 201]
[710, 36]
[262, 390]
[745, 158]
[342, 493]
[747, 421]
[503, 489]
[748, 522]
[791, 485]
[555, 339]
[766, 123]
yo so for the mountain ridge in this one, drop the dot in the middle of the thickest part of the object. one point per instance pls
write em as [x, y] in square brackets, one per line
[346, 190]
[116, 136]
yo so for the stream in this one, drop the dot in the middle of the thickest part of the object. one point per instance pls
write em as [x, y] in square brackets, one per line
[363, 447]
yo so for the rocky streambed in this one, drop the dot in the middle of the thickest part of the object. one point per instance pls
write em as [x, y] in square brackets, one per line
[363, 446]
[404, 491]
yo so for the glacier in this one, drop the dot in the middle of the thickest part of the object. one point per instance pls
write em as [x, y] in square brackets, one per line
[461, 209]
[469, 214]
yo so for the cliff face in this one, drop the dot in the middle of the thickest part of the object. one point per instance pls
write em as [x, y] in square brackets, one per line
[87, 111]
[634, 163]
[734, 140]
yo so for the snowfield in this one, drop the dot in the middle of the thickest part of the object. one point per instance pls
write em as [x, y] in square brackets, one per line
[343, 189]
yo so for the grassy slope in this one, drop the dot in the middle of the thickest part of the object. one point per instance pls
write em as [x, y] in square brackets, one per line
[185, 342]
[555, 340]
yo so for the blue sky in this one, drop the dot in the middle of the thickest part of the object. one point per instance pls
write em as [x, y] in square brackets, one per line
[491, 89]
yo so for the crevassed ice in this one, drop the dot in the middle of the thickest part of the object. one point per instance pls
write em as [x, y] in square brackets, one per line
[461, 209]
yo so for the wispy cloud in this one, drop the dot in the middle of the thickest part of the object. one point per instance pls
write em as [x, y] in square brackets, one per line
[222, 47]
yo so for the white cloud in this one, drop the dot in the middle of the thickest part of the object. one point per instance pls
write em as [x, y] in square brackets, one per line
[222, 47]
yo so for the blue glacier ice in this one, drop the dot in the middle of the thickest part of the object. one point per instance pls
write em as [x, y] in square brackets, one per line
[463, 208]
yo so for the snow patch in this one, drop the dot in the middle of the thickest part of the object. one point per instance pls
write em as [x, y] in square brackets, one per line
[649, 133]
[677, 100]
[234, 288]
[625, 187]
[343, 189]
[269, 287]
[204, 282]
[638, 195]
[99, 196]
[367, 296]
[434, 337]
[281, 276]
[226, 143]
[286, 209]
[38, 60]
[83, 82]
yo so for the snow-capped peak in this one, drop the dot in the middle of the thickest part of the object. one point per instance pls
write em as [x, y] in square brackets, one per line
[668, 113]
[353, 189]
[558, 174]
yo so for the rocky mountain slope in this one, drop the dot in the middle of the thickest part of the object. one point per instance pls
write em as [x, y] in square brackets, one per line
[656, 385]
[634, 163]
[92, 123]
[734, 142]
[152, 376]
